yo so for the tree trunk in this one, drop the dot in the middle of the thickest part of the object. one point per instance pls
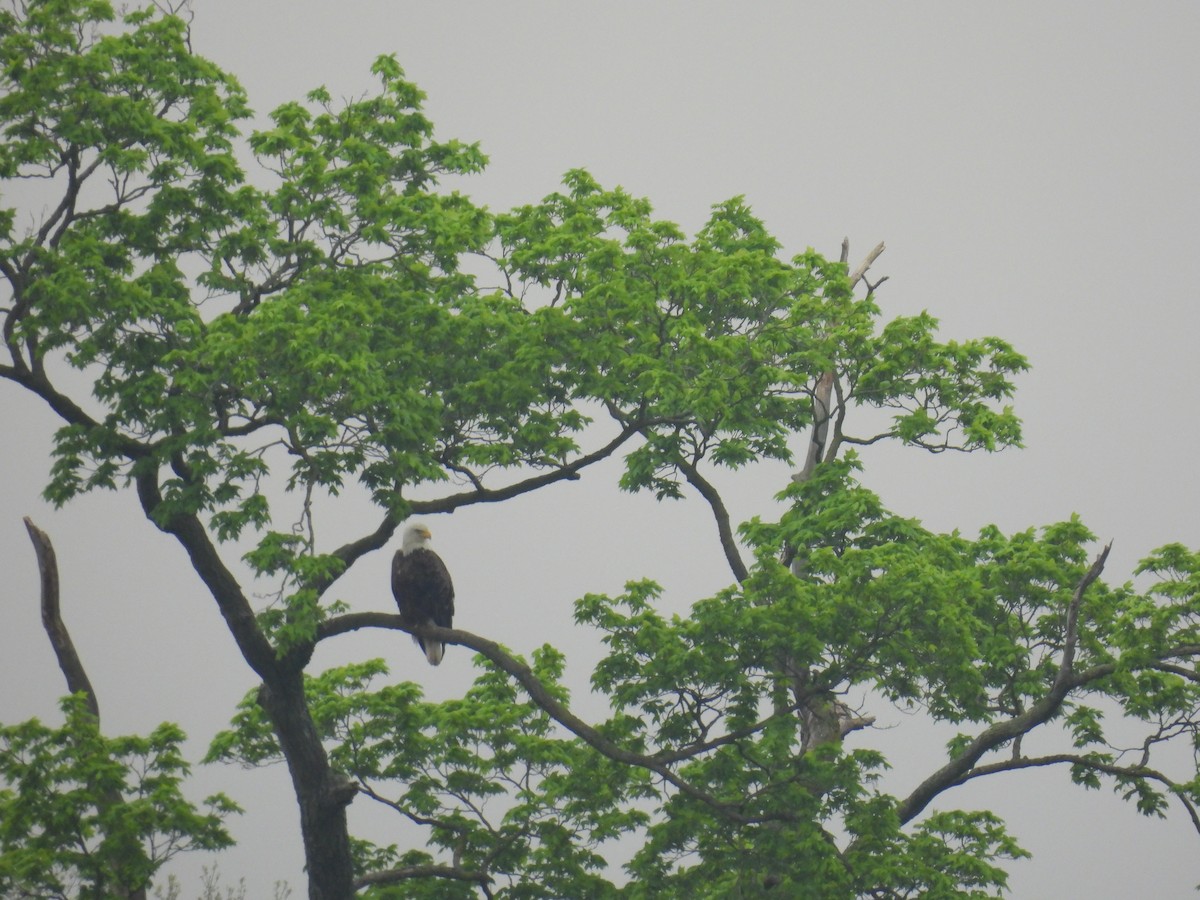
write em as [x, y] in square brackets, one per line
[823, 717]
[321, 793]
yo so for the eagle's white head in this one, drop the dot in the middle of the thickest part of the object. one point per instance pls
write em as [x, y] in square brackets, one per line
[415, 537]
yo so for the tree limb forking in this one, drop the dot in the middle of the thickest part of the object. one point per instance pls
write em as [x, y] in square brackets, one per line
[863, 266]
[1071, 634]
[823, 393]
[1001, 732]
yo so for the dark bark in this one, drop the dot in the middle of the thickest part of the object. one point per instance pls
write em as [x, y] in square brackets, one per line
[721, 514]
[321, 793]
[56, 629]
[660, 764]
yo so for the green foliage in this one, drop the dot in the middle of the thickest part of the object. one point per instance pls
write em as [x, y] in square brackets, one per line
[488, 774]
[715, 346]
[83, 812]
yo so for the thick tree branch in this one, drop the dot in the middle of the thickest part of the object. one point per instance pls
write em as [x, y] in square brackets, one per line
[721, 514]
[1010, 729]
[70, 663]
[351, 552]
[231, 600]
[60, 639]
[71, 412]
[822, 404]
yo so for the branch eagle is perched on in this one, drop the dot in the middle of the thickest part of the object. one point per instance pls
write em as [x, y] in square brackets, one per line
[423, 589]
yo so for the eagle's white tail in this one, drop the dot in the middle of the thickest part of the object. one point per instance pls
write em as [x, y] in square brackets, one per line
[434, 650]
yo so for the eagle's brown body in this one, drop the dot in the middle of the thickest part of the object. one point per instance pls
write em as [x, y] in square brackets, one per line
[423, 589]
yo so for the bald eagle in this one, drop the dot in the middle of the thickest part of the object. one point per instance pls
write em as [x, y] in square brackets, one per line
[423, 588]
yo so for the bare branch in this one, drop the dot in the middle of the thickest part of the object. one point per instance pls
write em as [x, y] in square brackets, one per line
[56, 629]
[865, 264]
[1139, 771]
[70, 663]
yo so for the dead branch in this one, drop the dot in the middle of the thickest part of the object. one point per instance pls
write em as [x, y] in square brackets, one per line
[56, 629]
[859, 272]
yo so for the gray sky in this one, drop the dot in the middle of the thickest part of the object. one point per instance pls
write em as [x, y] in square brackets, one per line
[1032, 168]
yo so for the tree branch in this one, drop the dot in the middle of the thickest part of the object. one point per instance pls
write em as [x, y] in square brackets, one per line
[992, 737]
[1071, 635]
[206, 561]
[70, 411]
[859, 272]
[72, 666]
[351, 552]
[822, 402]
[56, 629]
[566, 472]
[544, 699]
[721, 514]
[392, 876]
[1104, 768]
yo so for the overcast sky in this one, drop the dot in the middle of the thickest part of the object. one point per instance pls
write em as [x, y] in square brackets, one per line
[1033, 170]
